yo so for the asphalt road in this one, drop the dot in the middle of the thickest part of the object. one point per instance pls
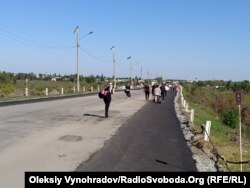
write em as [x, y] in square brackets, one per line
[151, 140]
[57, 135]
[72, 134]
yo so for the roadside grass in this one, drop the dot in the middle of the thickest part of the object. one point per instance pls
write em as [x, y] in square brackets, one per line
[36, 88]
[224, 138]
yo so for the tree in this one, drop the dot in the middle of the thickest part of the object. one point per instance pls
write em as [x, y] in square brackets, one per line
[245, 86]
[228, 84]
[6, 78]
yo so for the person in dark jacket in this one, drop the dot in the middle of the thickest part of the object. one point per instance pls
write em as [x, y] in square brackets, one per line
[163, 90]
[146, 91]
[107, 99]
[153, 91]
[127, 90]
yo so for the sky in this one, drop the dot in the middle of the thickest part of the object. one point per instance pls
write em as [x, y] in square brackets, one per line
[175, 39]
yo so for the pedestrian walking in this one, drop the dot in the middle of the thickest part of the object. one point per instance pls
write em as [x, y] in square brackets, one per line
[127, 90]
[157, 94]
[153, 91]
[146, 91]
[162, 92]
[107, 98]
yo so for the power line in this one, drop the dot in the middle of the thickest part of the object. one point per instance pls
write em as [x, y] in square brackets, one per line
[94, 57]
[218, 154]
[101, 59]
[23, 40]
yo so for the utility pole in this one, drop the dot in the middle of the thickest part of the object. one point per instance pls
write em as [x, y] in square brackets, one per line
[77, 59]
[114, 77]
[141, 72]
[129, 58]
[148, 76]
[239, 106]
[238, 101]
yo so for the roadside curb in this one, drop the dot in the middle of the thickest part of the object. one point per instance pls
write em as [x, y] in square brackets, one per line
[44, 99]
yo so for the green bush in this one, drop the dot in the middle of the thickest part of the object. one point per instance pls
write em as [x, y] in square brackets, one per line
[6, 78]
[230, 118]
[7, 89]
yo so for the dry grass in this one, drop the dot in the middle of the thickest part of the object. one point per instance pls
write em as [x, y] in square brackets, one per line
[224, 138]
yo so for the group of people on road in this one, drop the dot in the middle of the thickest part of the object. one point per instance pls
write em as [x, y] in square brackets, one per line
[159, 92]
[106, 93]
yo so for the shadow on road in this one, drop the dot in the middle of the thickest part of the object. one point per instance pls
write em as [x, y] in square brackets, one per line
[94, 115]
[165, 163]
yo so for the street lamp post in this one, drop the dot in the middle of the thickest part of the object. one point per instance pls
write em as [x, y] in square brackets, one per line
[148, 76]
[114, 77]
[141, 72]
[129, 58]
[77, 56]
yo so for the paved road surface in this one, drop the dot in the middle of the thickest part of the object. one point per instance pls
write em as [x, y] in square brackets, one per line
[60, 135]
[57, 135]
[151, 140]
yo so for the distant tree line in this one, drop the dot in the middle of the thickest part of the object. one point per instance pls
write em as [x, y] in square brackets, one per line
[225, 85]
[214, 94]
[11, 78]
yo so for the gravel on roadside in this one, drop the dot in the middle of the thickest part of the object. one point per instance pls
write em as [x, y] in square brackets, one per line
[202, 155]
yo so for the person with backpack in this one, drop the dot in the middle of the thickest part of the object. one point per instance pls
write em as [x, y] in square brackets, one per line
[127, 90]
[146, 91]
[105, 94]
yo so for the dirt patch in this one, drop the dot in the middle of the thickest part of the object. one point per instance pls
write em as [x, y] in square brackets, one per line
[70, 138]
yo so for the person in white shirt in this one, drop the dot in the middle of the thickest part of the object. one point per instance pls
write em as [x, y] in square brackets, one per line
[166, 89]
[157, 93]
